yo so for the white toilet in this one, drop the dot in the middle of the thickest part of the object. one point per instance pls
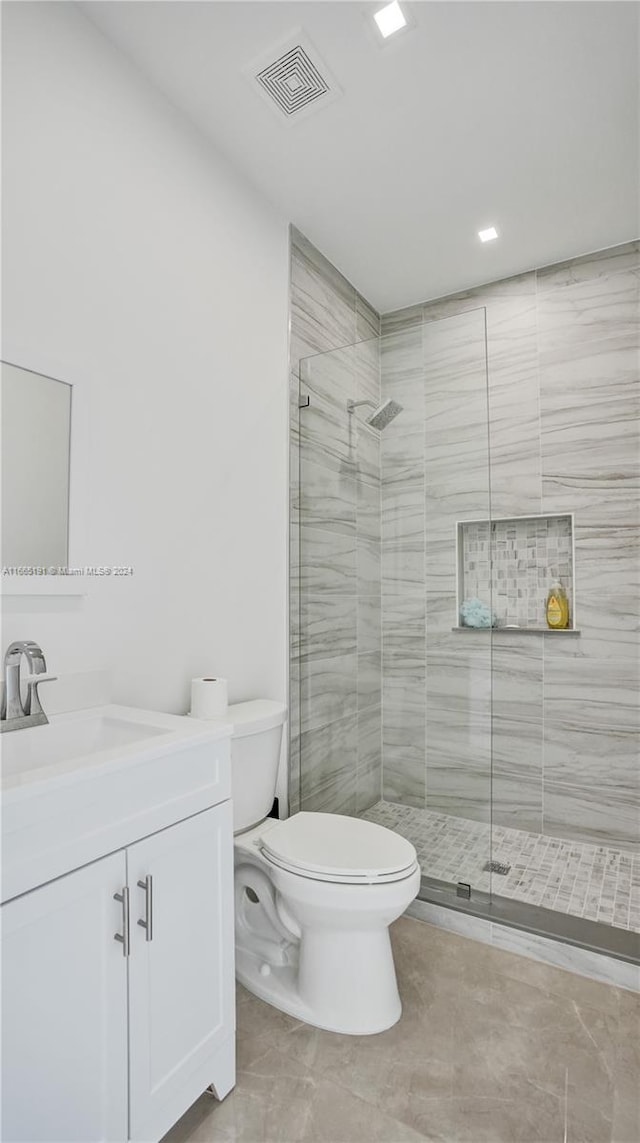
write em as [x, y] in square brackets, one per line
[314, 894]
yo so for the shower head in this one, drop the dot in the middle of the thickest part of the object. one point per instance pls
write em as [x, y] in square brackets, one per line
[382, 414]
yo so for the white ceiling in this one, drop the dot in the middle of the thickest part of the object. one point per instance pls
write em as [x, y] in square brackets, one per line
[522, 114]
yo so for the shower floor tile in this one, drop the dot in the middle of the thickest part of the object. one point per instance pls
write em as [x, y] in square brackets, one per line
[590, 881]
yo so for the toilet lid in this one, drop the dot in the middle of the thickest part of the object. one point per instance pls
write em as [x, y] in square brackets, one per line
[331, 847]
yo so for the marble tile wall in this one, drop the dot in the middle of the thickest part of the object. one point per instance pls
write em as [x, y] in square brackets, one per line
[335, 615]
[555, 404]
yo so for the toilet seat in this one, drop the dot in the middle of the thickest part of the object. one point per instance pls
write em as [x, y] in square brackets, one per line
[338, 849]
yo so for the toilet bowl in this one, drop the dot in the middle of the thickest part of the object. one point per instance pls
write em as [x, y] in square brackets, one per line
[315, 942]
[314, 894]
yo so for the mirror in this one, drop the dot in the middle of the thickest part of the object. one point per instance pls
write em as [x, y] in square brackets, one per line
[36, 441]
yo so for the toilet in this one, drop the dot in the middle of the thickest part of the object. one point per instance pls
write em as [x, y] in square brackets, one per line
[314, 894]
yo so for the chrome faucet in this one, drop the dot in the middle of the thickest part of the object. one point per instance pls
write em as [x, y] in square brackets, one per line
[16, 715]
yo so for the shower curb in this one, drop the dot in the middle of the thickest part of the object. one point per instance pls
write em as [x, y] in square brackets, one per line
[555, 939]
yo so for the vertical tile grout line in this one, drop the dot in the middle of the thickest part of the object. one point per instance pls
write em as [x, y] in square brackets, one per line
[382, 677]
[356, 434]
[491, 561]
[543, 648]
[289, 526]
[566, 1103]
[380, 641]
[423, 373]
[357, 514]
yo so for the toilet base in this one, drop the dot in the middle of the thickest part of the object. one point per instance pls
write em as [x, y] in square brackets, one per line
[279, 988]
[318, 949]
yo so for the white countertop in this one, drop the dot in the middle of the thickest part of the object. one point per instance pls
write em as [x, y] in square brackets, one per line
[97, 780]
[22, 762]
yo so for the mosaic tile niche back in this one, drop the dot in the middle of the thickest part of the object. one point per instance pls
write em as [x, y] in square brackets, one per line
[511, 564]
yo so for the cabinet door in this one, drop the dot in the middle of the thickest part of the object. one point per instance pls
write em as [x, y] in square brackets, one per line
[181, 980]
[64, 1010]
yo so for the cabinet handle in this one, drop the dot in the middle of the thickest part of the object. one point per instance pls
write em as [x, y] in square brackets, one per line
[123, 937]
[147, 924]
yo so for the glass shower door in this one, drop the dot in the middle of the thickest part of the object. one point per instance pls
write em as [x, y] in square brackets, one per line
[436, 678]
[393, 719]
[337, 645]
[459, 600]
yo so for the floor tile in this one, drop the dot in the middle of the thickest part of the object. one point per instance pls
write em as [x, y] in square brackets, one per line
[491, 1048]
[592, 881]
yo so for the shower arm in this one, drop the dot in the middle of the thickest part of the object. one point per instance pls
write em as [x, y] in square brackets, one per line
[351, 405]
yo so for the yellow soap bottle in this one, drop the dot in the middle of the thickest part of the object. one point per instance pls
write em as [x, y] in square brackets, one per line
[557, 607]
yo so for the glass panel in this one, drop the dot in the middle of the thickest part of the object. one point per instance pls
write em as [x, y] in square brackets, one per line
[382, 488]
[339, 646]
[436, 678]
[458, 657]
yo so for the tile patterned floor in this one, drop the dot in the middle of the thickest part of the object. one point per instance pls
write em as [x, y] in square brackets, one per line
[589, 881]
[491, 1048]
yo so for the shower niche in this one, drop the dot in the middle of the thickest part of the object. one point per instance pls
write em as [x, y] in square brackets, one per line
[509, 564]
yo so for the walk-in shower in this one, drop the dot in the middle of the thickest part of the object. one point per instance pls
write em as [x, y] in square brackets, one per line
[507, 753]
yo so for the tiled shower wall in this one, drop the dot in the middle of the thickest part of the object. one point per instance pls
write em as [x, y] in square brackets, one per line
[562, 391]
[335, 715]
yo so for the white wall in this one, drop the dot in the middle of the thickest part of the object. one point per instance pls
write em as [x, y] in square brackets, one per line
[138, 266]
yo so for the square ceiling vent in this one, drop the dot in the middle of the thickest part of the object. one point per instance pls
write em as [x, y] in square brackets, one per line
[293, 79]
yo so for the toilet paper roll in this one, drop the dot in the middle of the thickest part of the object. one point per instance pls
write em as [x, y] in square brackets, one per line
[208, 697]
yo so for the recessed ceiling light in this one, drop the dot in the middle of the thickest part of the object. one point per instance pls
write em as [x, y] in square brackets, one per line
[390, 19]
[488, 235]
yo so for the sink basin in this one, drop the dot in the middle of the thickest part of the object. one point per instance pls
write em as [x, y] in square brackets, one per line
[93, 781]
[41, 747]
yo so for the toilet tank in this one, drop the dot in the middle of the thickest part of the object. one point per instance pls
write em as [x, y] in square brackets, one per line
[256, 742]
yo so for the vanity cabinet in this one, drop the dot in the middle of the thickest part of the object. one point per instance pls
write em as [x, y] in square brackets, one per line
[118, 989]
[64, 1010]
[181, 981]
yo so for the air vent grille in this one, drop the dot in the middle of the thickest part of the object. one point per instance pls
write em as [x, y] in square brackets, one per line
[293, 81]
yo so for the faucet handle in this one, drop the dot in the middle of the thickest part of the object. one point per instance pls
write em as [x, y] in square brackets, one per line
[32, 704]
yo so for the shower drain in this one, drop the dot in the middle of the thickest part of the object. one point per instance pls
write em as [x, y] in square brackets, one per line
[496, 867]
